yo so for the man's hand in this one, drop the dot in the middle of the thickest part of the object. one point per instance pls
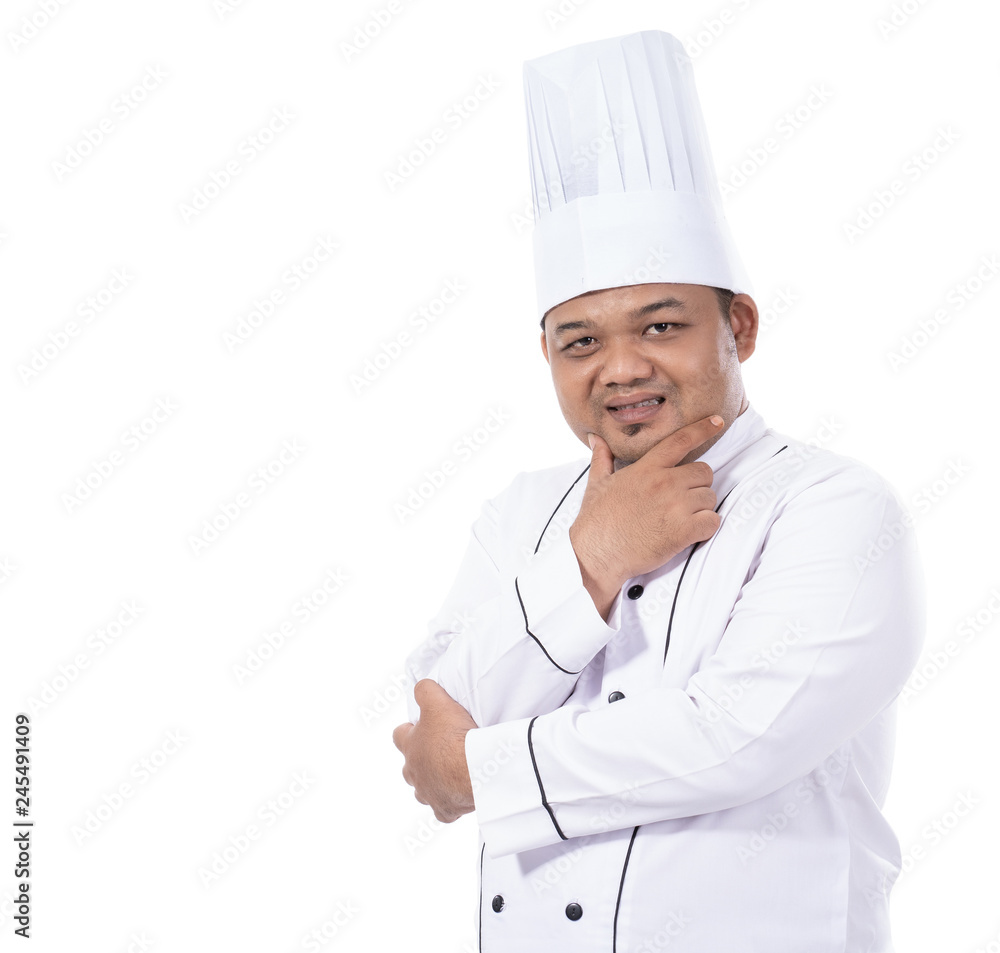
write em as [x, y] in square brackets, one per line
[633, 520]
[434, 749]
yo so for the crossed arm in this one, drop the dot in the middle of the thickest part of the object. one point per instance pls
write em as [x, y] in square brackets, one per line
[434, 749]
[607, 554]
[862, 632]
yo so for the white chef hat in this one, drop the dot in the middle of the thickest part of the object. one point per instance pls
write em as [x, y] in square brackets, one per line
[623, 184]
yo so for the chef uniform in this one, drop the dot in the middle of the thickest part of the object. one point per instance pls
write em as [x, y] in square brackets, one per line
[704, 771]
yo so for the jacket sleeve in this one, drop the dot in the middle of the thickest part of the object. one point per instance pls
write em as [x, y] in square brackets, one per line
[508, 646]
[822, 638]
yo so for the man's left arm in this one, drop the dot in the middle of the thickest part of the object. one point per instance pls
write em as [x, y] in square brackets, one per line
[838, 584]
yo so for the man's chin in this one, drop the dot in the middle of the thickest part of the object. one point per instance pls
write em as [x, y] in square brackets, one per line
[627, 448]
[626, 453]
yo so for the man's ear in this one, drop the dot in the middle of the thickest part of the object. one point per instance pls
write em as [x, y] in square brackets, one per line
[744, 321]
[545, 348]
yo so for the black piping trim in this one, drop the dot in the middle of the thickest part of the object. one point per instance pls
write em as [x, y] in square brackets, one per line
[673, 605]
[621, 887]
[535, 637]
[527, 625]
[687, 562]
[560, 503]
[482, 854]
[538, 778]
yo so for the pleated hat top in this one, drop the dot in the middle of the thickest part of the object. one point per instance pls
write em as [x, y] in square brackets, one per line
[623, 183]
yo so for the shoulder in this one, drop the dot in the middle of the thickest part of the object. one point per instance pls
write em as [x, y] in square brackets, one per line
[832, 510]
[813, 463]
[512, 523]
[534, 495]
[542, 490]
[836, 482]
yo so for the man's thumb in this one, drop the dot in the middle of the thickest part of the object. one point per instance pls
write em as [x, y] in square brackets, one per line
[602, 460]
[427, 692]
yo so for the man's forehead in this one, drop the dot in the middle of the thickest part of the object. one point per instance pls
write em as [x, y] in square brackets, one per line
[630, 303]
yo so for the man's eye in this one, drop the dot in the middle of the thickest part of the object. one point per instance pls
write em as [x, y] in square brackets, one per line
[662, 326]
[579, 343]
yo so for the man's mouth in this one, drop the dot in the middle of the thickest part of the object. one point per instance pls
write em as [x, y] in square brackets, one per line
[635, 409]
[642, 403]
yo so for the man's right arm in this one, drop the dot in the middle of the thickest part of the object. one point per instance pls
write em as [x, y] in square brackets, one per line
[527, 638]
[506, 645]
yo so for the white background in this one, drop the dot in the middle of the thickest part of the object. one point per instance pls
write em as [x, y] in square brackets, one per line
[351, 845]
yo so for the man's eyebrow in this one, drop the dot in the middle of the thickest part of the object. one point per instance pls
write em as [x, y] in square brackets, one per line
[658, 305]
[636, 315]
[572, 326]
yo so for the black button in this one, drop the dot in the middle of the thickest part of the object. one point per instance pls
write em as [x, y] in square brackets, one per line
[574, 911]
[634, 592]
[615, 697]
[497, 903]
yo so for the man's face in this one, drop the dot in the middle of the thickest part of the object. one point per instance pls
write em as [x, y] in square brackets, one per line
[664, 345]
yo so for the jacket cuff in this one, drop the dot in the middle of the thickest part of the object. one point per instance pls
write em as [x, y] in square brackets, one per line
[559, 612]
[508, 790]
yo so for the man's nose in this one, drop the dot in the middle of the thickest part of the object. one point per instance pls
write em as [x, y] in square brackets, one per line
[624, 362]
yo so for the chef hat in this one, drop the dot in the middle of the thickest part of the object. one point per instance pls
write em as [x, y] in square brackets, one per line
[624, 187]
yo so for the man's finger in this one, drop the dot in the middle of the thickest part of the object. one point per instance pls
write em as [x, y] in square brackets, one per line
[698, 473]
[705, 524]
[428, 694]
[400, 733]
[702, 498]
[602, 460]
[673, 448]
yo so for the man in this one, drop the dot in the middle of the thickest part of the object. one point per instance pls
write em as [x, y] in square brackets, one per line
[672, 705]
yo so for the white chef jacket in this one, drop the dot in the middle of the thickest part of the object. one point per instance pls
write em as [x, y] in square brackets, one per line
[704, 771]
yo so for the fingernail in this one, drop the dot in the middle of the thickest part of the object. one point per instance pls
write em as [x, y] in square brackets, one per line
[590, 440]
[716, 419]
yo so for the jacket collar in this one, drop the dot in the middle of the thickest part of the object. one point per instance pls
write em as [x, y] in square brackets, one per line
[746, 429]
[740, 450]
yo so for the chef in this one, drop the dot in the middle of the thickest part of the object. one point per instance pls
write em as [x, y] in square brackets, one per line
[670, 700]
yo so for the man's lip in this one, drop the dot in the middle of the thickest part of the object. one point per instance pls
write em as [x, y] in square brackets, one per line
[632, 399]
[636, 415]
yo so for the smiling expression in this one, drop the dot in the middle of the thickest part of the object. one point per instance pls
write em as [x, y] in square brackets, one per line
[634, 364]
